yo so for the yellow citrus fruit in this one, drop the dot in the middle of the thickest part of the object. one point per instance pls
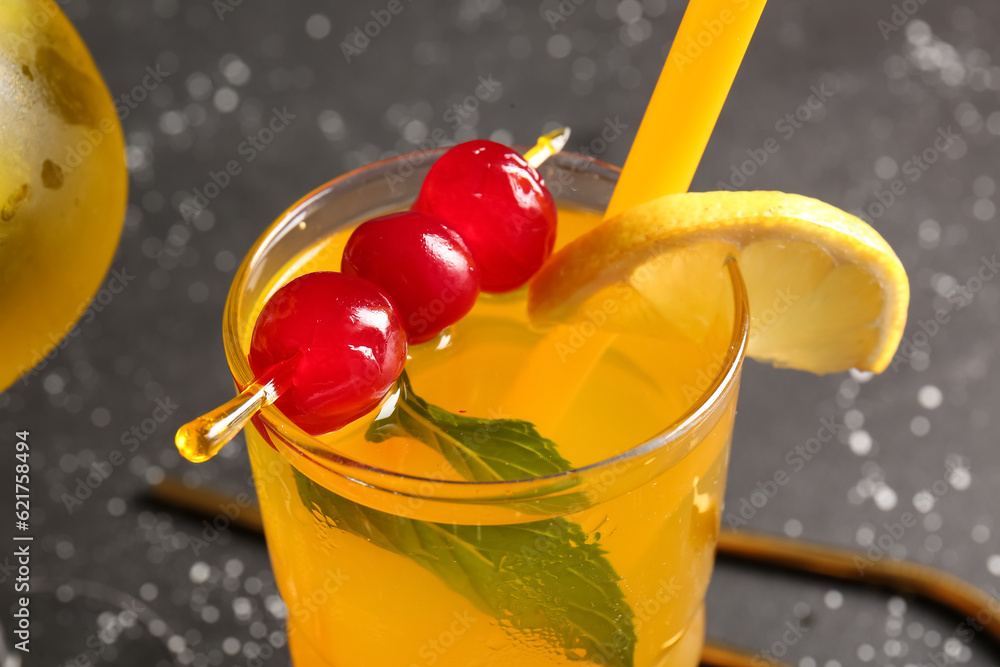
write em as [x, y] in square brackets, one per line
[826, 292]
[62, 181]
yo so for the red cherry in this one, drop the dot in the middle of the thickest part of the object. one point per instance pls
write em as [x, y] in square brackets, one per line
[500, 207]
[344, 341]
[421, 264]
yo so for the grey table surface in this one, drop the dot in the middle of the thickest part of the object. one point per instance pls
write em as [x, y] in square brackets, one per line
[886, 79]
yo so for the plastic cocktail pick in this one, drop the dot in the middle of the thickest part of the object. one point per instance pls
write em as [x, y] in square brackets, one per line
[202, 438]
[547, 146]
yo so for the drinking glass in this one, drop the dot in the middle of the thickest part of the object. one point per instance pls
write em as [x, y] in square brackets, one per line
[604, 564]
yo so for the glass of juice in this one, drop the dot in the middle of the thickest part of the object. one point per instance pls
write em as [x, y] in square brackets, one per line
[427, 533]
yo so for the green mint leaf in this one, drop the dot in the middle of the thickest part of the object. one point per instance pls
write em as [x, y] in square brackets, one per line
[483, 450]
[543, 579]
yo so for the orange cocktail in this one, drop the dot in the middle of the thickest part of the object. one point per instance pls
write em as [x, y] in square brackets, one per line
[392, 548]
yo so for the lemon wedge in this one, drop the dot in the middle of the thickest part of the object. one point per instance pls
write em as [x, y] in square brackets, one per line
[826, 292]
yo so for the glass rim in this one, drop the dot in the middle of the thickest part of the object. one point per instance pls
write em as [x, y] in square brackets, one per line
[312, 448]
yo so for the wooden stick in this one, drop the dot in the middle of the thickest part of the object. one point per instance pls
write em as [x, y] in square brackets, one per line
[899, 575]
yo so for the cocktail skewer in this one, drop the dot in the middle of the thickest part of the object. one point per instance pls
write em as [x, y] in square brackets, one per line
[202, 438]
[547, 146]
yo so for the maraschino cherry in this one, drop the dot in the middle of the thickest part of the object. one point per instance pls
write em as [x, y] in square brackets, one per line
[499, 205]
[342, 342]
[326, 349]
[422, 265]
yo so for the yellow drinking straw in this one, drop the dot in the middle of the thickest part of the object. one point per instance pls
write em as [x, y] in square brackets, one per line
[686, 103]
[700, 68]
